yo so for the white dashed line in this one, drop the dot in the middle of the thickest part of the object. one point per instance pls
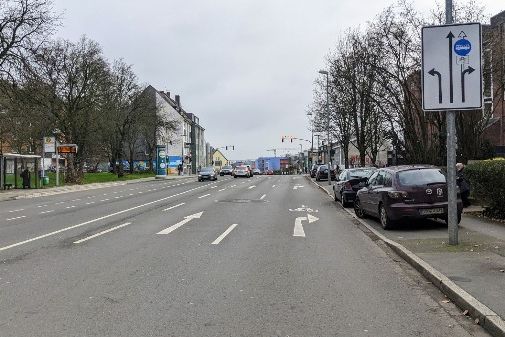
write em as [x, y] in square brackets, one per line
[221, 190]
[168, 209]
[263, 196]
[59, 203]
[90, 203]
[251, 187]
[203, 196]
[70, 206]
[273, 186]
[102, 233]
[222, 236]
[16, 218]
[17, 210]
[45, 212]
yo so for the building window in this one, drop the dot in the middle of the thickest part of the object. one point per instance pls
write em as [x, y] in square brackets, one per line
[217, 163]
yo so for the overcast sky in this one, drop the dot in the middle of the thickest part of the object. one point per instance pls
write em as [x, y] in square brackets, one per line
[245, 67]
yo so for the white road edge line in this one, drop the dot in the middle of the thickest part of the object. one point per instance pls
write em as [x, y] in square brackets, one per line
[94, 220]
[16, 218]
[203, 196]
[168, 209]
[222, 236]
[102, 233]
[263, 196]
[221, 190]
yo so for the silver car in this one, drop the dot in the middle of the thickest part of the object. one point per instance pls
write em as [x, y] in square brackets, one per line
[241, 171]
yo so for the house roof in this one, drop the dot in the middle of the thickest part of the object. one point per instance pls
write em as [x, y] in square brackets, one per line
[221, 153]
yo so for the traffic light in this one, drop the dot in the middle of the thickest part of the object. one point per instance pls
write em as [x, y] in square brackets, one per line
[233, 147]
[282, 139]
[291, 140]
[226, 147]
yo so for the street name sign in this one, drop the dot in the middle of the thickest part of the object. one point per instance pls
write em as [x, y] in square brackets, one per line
[452, 67]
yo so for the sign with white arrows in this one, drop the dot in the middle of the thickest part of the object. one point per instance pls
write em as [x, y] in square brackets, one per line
[298, 230]
[179, 224]
[452, 67]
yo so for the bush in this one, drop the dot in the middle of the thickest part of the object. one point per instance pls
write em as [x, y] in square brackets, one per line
[487, 180]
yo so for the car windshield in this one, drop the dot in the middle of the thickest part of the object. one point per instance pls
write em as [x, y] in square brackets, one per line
[322, 167]
[226, 167]
[207, 169]
[361, 173]
[241, 168]
[421, 177]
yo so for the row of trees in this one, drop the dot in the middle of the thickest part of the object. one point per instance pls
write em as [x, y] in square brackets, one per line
[68, 88]
[375, 90]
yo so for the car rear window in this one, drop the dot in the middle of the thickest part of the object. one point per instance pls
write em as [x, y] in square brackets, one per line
[421, 177]
[361, 173]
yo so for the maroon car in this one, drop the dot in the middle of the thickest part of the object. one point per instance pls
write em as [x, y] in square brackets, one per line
[403, 192]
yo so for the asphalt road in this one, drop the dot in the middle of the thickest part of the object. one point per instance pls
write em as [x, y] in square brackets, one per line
[267, 256]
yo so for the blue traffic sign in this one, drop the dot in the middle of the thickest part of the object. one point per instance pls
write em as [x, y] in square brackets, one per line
[462, 47]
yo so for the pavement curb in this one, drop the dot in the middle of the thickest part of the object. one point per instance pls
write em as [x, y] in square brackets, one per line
[79, 188]
[487, 318]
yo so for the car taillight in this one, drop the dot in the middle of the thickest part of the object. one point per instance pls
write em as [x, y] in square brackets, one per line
[398, 194]
[347, 186]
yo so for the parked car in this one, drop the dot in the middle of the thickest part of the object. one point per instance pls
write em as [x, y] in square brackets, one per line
[349, 182]
[322, 173]
[397, 193]
[207, 173]
[257, 171]
[313, 170]
[241, 171]
[269, 172]
[226, 170]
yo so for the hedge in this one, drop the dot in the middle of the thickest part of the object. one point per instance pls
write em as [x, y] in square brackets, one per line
[487, 181]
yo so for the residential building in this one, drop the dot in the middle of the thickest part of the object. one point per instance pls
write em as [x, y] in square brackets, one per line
[219, 160]
[197, 143]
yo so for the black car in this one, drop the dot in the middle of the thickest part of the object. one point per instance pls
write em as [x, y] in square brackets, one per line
[322, 173]
[207, 173]
[397, 193]
[313, 170]
[349, 182]
[226, 170]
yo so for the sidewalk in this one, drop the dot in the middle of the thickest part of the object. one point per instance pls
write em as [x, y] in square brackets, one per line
[476, 265]
[35, 193]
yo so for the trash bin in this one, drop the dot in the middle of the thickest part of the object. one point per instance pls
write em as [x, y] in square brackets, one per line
[45, 181]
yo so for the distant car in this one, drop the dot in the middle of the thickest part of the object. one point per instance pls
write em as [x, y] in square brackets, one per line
[257, 171]
[226, 170]
[313, 170]
[207, 173]
[322, 173]
[401, 192]
[251, 173]
[349, 182]
[241, 171]
[269, 172]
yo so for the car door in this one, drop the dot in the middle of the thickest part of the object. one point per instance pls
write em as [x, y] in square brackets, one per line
[339, 182]
[374, 193]
[364, 196]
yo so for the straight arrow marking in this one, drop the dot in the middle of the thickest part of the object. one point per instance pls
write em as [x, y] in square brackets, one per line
[181, 223]
[450, 36]
[298, 230]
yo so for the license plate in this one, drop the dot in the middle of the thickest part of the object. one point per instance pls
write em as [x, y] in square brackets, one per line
[430, 211]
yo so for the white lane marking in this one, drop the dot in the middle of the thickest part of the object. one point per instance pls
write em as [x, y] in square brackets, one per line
[105, 194]
[251, 187]
[243, 182]
[90, 203]
[39, 206]
[45, 212]
[203, 196]
[70, 206]
[179, 224]
[16, 218]
[221, 190]
[59, 203]
[17, 210]
[233, 185]
[95, 220]
[168, 209]
[222, 236]
[102, 233]
[91, 197]
[263, 196]
[273, 186]
[213, 187]
[104, 200]
[130, 194]
[76, 199]
[141, 192]
[117, 197]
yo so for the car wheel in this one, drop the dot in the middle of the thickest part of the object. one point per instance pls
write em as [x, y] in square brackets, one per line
[234, 176]
[358, 210]
[386, 222]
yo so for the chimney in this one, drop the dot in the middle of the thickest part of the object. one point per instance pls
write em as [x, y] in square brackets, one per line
[168, 94]
[178, 100]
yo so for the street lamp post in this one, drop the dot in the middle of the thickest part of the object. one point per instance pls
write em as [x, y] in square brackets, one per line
[324, 72]
[312, 141]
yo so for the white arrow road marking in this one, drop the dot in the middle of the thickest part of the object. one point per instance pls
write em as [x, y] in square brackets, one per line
[102, 233]
[179, 224]
[298, 230]
[222, 236]
[168, 209]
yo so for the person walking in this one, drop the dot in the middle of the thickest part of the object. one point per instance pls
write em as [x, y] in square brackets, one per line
[25, 175]
[463, 184]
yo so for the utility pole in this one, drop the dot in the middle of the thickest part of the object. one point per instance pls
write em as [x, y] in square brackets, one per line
[324, 72]
[452, 144]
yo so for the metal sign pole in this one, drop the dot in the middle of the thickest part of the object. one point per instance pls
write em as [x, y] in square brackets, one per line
[57, 165]
[452, 221]
[43, 159]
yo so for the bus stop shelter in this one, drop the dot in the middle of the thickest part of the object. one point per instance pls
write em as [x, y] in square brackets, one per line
[12, 164]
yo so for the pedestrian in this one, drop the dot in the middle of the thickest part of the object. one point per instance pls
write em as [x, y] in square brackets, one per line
[25, 175]
[179, 168]
[463, 184]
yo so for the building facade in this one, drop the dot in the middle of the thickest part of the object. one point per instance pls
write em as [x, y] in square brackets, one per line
[219, 160]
